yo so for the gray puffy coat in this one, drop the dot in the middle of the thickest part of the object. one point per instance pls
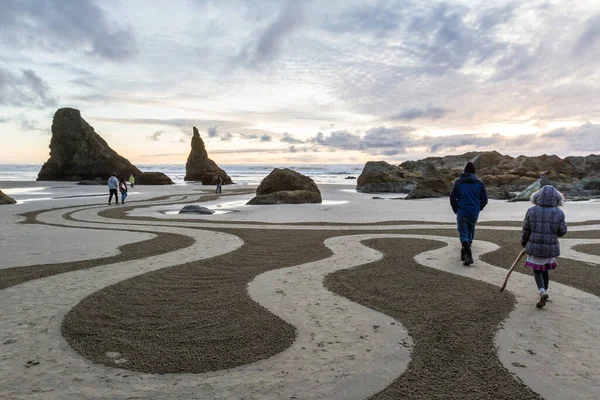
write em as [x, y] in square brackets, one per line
[544, 223]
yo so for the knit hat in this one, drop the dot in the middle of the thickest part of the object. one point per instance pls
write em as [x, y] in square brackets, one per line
[470, 168]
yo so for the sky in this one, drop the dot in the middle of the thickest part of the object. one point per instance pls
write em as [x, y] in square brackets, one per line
[305, 81]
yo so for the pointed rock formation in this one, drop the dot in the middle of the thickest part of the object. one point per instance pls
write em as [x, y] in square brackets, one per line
[4, 199]
[199, 167]
[77, 152]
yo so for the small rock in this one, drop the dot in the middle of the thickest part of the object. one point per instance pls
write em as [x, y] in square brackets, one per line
[195, 209]
[519, 365]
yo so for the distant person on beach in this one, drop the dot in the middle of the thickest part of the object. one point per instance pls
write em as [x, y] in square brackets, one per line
[113, 186]
[544, 223]
[468, 198]
[131, 180]
[123, 189]
[219, 183]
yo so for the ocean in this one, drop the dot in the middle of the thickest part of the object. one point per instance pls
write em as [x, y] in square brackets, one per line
[240, 174]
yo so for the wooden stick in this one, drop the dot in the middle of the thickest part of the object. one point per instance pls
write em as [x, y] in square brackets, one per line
[511, 269]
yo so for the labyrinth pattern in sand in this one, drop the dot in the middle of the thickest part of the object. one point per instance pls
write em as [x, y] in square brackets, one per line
[257, 311]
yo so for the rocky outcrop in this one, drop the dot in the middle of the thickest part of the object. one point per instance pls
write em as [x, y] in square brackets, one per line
[285, 186]
[585, 189]
[152, 178]
[379, 176]
[525, 195]
[195, 209]
[77, 152]
[502, 174]
[199, 167]
[498, 193]
[4, 199]
[433, 184]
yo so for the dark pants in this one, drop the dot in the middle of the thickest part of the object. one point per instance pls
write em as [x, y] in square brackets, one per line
[466, 227]
[541, 279]
[218, 188]
[115, 193]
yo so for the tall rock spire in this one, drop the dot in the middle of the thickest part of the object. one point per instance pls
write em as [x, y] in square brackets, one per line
[77, 152]
[201, 168]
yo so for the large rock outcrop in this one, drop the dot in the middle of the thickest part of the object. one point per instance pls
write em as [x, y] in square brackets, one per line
[77, 152]
[379, 176]
[153, 178]
[199, 167]
[433, 184]
[286, 186]
[502, 174]
[4, 199]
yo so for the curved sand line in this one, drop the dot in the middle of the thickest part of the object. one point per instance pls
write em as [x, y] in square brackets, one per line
[554, 351]
[271, 381]
[326, 349]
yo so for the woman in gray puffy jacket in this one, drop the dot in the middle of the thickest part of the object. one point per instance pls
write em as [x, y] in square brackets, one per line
[544, 223]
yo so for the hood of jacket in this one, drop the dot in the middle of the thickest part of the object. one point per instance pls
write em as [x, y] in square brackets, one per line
[468, 177]
[547, 196]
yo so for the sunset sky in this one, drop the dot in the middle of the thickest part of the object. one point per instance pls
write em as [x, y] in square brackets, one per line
[315, 81]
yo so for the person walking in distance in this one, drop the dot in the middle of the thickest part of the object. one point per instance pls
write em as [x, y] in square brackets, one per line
[113, 186]
[468, 198]
[131, 180]
[544, 223]
[123, 189]
[219, 183]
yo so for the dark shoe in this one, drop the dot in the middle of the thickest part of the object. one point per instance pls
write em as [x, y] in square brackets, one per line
[463, 254]
[468, 254]
[542, 301]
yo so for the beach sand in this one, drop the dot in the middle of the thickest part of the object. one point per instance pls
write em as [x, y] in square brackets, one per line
[350, 299]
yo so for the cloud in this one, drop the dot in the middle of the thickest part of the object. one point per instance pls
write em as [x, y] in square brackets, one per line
[155, 137]
[590, 37]
[162, 155]
[287, 138]
[248, 136]
[61, 26]
[492, 17]
[265, 138]
[369, 18]
[249, 150]
[26, 89]
[177, 122]
[212, 131]
[295, 149]
[271, 41]
[227, 136]
[583, 138]
[444, 36]
[338, 140]
[432, 113]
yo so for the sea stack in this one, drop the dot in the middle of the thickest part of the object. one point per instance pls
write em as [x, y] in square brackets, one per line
[77, 152]
[4, 199]
[199, 167]
[286, 186]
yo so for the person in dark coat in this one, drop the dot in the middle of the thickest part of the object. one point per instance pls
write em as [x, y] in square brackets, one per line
[544, 223]
[468, 198]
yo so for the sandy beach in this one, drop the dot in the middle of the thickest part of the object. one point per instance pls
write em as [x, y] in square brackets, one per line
[353, 298]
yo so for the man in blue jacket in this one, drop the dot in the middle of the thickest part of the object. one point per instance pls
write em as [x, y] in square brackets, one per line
[468, 198]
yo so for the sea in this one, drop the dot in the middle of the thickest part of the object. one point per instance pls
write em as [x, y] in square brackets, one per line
[240, 174]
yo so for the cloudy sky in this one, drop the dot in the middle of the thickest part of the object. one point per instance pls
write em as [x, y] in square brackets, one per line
[275, 81]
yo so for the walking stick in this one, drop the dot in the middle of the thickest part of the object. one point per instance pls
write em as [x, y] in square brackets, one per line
[511, 269]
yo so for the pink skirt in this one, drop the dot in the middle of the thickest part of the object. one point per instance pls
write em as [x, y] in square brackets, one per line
[541, 267]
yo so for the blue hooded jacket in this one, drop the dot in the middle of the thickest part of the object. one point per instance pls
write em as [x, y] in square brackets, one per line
[468, 196]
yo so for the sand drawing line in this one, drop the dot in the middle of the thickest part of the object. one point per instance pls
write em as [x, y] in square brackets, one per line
[325, 348]
[295, 294]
